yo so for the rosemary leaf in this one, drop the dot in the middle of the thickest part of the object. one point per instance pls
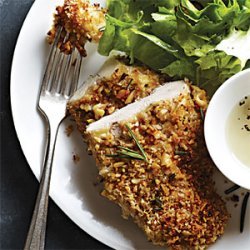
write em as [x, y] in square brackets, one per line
[134, 155]
[120, 156]
[127, 149]
[243, 211]
[116, 156]
[126, 155]
[137, 142]
[180, 152]
[125, 152]
[231, 189]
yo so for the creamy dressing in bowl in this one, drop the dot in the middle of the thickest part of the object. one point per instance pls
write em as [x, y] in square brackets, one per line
[226, 128]
[238, 130]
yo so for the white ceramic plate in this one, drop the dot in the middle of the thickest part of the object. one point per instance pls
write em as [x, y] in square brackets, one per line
[72, 186]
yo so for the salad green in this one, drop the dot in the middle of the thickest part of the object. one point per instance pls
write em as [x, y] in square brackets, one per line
[178, 37]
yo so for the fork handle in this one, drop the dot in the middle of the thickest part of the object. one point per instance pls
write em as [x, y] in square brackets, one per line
[36, 235]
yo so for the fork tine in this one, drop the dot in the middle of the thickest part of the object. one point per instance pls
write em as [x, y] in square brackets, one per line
[70, 76]
[66, 75]
[76, 74]
[51, 60]
[62, 71]
[56, 81]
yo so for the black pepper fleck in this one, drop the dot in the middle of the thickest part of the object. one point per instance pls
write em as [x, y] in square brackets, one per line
[241, 103]
[247, 128]
[235, 198]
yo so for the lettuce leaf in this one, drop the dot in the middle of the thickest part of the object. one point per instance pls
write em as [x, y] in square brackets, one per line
[178, 37]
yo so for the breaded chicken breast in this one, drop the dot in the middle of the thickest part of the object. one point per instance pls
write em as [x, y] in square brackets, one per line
[154, 164]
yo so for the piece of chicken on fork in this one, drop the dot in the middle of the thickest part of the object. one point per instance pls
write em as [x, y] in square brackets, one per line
[83, 22]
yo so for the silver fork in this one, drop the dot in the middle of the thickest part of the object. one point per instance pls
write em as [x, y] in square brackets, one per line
[59, 83]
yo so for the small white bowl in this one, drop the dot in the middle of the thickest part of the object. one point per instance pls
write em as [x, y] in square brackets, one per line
[219, 108]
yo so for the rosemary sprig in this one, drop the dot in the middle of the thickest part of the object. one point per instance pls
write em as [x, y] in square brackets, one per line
[127, 149]
[128, 153]
[232, 189]
[243, 211]
[137, 142]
